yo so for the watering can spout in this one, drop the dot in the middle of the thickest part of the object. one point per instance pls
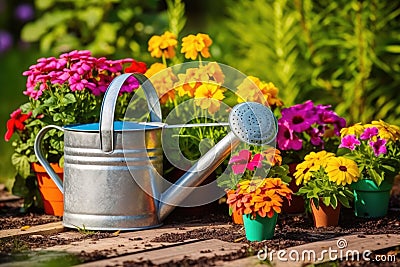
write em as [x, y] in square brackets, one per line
[251, 123]
[182, 188]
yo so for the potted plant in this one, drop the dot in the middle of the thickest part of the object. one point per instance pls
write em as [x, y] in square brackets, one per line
[61, 91]
[375, 148]
[304, 128]
[259, 201]
[248, 164]
[325, 181]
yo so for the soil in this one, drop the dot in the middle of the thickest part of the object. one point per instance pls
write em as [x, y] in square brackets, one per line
[291, 230]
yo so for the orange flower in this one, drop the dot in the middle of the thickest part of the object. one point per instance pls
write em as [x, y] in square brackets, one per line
[163, 45]
[261, 196]
[267, 204]
[208, 96]
[252, 89]
[273, 156]
[154, 68]
[192, 45]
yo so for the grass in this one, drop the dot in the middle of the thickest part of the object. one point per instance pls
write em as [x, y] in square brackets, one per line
[12, 83]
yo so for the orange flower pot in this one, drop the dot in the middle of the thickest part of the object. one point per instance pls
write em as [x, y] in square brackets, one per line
[53, 199]
[325, 215]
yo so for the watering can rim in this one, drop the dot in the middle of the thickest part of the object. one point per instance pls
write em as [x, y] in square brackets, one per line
[118, 126]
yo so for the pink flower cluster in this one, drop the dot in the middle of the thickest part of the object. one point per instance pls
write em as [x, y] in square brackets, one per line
[370, 134]
[80, 70]
[243, 161]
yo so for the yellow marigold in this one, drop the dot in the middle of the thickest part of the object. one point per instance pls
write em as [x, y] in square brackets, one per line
[163, 45]
[355, 129]
[154, 68]
[192, 45]
[386, 131]
[319, 158]
[208, 96]
[342, 170]
[163, 81]
[253, 89]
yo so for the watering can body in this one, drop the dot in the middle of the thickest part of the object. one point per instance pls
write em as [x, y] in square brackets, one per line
[99, 192]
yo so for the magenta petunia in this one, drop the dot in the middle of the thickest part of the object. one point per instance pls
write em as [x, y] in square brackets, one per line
[379, 146]
[350, 142]
[286, 138]
[368, 133]
[298, 120]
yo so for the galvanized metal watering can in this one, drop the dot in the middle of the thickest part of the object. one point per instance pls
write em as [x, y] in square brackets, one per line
[100, 192]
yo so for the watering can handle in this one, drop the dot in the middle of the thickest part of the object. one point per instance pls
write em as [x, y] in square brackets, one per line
[109, 102]
[42, 160]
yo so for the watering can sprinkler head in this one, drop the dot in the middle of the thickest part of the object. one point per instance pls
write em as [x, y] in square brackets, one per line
[250, 122]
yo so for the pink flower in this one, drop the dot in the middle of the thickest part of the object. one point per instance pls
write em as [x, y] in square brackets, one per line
[349, 141]
[379, 146]
[286, 138]
[368, 133]
[243, 161]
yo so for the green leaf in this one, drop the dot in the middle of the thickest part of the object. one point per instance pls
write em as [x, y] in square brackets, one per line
[326, 201]
[68, 99]
[22, 164]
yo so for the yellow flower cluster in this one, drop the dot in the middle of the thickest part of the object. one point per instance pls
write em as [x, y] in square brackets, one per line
[192, 45]
[340, 170]
[253, 89]
[386, 131]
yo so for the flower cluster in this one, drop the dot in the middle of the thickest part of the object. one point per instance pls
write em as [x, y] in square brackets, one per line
[202, 86]
[61, 91]
[327, 177]
[375, 148]
[79, 69]
[259, 196]
[308, 127]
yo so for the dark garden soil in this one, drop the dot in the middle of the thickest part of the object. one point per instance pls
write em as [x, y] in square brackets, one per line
[291, 230]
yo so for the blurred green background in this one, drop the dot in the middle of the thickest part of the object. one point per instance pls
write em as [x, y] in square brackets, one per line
[344, 53]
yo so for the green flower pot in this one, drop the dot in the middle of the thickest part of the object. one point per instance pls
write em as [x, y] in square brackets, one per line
[260, 228]
[370, 200]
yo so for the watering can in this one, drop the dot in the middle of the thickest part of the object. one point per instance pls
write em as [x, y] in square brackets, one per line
[100, 160]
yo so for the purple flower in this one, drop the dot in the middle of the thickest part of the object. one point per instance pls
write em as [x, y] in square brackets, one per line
[330, 117]
[349, 141]
[300, 117]
[286, 138]
[368, 133]
[315, 135]
[24, 12]
[379, 146]
[6, 41]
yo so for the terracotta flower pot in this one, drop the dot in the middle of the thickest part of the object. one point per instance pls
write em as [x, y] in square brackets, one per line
[325, 215]
[297, 204]
[53, 200]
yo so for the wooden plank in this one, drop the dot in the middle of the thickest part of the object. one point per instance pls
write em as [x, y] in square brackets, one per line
[126, 242]
[340, 247]
[193, 251]
[49, 228]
